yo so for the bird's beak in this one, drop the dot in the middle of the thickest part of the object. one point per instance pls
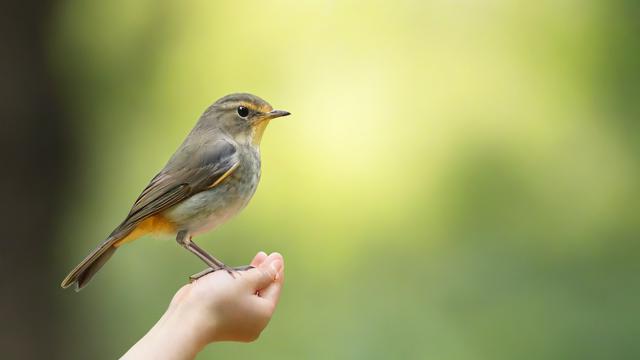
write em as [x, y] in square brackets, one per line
[276, 114]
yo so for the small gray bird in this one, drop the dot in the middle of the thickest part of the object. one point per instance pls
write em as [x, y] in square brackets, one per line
[208, 180]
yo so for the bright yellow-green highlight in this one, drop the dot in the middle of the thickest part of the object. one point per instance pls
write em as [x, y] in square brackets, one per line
[455, 181]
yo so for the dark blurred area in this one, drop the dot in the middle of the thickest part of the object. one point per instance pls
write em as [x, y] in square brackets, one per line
[459, 180]
[35, 147]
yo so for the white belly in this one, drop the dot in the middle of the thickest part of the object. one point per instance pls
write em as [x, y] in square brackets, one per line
[206, 210]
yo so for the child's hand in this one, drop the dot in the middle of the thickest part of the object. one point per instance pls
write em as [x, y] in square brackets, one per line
[233, 308]
[216, 307]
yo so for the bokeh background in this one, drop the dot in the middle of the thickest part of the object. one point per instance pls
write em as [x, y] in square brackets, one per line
[459, 179]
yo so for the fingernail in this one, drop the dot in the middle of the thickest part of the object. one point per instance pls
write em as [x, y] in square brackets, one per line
[276, 266]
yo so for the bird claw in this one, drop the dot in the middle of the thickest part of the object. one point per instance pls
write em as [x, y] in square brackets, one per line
[230, 270]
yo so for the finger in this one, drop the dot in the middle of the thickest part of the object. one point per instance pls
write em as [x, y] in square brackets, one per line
[258, 259]
[180, 294]
[266, 273]
[272, 291]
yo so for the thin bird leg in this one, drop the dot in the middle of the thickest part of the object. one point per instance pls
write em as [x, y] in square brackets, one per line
[208, 271]
[193, 247]
[185, 241]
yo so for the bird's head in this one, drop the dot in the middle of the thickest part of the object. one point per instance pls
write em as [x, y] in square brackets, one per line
[243, 116]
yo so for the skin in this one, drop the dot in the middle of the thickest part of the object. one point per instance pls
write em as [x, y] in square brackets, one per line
[216, 307]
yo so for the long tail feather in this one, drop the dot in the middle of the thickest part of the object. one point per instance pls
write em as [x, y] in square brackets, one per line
[82, 273]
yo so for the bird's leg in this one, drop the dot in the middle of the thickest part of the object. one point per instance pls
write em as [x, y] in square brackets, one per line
[184, 239]
[208, 271]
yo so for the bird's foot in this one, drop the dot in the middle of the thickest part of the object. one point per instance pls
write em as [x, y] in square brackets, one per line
[230, 270]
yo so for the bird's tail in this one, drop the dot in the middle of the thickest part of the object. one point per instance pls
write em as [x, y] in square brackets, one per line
[82, 273]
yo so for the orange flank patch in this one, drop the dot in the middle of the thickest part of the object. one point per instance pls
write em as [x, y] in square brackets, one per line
[157, 224]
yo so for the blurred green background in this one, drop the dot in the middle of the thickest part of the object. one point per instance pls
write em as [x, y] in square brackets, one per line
[459, 179]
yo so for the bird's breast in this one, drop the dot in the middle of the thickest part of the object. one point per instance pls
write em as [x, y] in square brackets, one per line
[209, 209]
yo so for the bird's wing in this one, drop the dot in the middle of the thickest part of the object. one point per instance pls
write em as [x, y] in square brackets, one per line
[197, 167]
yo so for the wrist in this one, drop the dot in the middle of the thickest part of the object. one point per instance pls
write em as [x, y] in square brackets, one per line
[182, 329]
[172, 338]
[187, 320]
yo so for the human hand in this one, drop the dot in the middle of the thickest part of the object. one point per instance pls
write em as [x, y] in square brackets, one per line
[233, 308]
[216, 307]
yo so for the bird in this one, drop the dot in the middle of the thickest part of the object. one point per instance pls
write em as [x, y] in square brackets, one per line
[209, 179]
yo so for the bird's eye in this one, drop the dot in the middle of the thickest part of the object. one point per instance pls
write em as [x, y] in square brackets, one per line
[243, 111]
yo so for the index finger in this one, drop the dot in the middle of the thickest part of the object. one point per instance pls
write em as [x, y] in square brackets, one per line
[265, 273]
[272, 291]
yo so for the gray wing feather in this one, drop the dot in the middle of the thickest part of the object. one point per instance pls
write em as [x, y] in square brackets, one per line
[193, 169]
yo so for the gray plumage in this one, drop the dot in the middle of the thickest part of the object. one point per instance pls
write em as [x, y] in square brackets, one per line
[208, 180]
